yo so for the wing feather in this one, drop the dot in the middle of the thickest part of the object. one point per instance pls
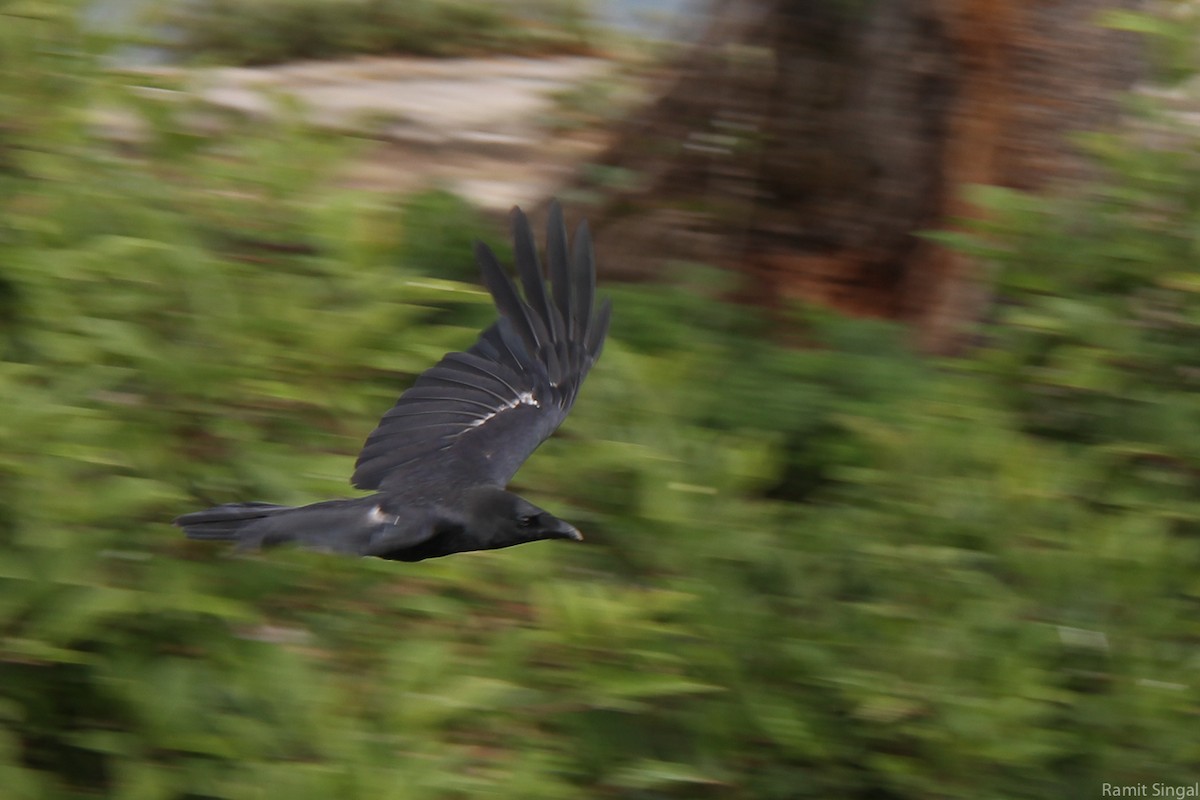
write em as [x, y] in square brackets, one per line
[560, 276]
[457, 383]
[472, 371]
[474, 363]
[508, 302]
[529, 268]
[465, 381]
[484, 398]
[485, 346]
[454, 415]
[475, 416]
[583, 281]
[599, 331]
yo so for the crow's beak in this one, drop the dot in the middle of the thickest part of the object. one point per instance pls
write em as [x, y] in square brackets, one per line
[564, 531]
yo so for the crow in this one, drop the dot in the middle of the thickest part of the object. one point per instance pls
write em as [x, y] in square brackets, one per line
[440, 459]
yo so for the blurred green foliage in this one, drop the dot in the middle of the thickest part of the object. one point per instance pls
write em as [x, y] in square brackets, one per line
[1170, 30]
[834, 570]
[271, 31]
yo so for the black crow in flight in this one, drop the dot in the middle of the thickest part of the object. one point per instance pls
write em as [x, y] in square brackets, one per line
[439, 460]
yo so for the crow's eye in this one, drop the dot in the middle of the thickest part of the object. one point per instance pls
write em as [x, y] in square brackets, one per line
[526, 520]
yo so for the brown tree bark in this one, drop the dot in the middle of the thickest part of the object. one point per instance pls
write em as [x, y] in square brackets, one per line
[806, 143]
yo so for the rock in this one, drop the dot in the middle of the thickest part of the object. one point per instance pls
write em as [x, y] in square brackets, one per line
[476, 125]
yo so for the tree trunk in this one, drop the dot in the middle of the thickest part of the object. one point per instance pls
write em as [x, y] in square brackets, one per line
[806, 143]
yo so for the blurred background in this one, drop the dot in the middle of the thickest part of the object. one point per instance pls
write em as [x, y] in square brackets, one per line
[889, 472]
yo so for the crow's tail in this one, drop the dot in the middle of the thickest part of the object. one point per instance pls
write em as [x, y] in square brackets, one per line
[225, 523]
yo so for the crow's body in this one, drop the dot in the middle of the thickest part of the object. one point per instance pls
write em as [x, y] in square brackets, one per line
[440, 458]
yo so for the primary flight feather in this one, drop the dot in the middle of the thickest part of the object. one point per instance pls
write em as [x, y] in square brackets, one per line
[439, 460]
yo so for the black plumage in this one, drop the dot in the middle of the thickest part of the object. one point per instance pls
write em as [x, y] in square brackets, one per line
[439, 460]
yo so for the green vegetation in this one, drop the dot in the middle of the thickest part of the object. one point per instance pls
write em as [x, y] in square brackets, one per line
[829, 571]
[270, 31]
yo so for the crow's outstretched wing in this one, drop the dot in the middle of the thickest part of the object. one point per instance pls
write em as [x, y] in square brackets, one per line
[476, 416]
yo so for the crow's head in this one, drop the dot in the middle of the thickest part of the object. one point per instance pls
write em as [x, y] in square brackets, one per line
[502, 519]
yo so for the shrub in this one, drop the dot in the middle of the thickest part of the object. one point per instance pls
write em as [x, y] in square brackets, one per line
[826, 572]
[271, 31]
